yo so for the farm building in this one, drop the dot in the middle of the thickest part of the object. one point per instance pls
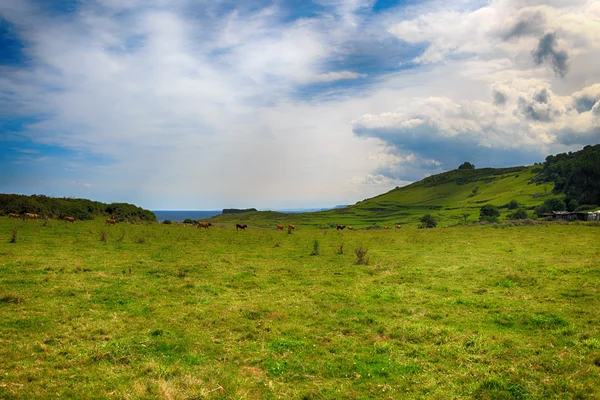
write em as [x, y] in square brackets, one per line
[574, 216]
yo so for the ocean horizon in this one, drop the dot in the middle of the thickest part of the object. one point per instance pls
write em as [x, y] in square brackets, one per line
[181, 215]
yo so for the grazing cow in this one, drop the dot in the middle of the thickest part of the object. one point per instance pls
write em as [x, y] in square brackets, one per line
[205, 225]
[350, 228]
[279, 227]
[240, 226]
[111, 221]
[13, 215]
[291, 227]
[70, 219]
[30, 216]
[386, 227]
[340, 227]
[398, 226]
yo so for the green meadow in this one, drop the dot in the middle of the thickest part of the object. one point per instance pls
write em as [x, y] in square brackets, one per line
[174, 312]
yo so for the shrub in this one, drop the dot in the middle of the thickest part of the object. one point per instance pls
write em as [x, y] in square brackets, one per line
[315, 251]
[489, 213]
[549, 206]
[189, 221]
[167, 222]
[513, 205]
[466, 165]
[428, 221]
[519, 214]
[587, 207]
[361, 256]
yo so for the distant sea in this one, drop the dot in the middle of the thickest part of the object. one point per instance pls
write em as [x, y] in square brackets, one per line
[180, 215]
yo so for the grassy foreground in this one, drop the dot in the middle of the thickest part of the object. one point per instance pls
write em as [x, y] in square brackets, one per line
[171, 311]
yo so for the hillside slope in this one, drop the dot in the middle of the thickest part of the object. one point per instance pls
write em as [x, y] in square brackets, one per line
[449, 196]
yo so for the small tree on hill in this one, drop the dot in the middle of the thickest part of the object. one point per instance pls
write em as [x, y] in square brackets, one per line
[428, 221]
[489, 213]
[513, 205]
[466, 165]
[549, 206]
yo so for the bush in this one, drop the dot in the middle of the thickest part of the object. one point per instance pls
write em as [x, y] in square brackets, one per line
[549, 206]
[489, 213]
[189, 221]
[361, 256]
[167, 222]
[519, 214]
[466, 165]
[513, 205]
[428, 221]
[315, 251]
[587, 207]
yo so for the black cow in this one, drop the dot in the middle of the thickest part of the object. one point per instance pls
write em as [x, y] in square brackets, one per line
[340, 227]
[240, 226]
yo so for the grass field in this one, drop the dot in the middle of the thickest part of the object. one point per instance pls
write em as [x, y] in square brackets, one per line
[171, 311]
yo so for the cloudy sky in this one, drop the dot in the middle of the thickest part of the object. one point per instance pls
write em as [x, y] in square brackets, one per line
[206, 104]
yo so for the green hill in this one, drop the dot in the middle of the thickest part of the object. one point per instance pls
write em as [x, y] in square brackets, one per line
[457, 196]
[448, 197]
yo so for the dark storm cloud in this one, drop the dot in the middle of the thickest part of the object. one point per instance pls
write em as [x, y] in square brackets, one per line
[547, 51]
[428, 142]
[536, 108]
[528, 25]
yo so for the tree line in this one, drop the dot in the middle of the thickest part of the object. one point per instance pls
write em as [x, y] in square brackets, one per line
[574, 174]
[81, 209]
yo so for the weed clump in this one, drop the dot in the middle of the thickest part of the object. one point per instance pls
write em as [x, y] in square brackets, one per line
[103, 236]
[140, 240]
[14, 235]
[361, 256]
[341, 249]
[315, 251]
[11, 298]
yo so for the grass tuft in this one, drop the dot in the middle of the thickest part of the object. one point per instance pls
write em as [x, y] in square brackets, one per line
[14, 235]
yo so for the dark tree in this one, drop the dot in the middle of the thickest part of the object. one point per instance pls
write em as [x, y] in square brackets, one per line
[489, 213]
[428, 221]
[466, 165]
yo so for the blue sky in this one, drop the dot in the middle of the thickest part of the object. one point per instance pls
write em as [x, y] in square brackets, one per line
[192, 104]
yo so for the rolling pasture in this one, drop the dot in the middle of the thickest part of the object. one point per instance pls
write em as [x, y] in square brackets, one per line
[172, 311]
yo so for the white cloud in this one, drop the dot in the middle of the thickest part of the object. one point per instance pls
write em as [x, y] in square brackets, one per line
[192, 102]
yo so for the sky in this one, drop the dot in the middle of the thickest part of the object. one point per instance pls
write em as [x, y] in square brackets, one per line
[211, 104]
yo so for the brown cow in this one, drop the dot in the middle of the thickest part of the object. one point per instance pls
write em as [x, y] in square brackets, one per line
[30, 216]
[13, 215]
[69, 219]
[111, 221]
[291, 227]
[205, 225]
[240, 226]
[279, 227]
[398, 226]
[340, 227]
[350, 228]
[386, 227]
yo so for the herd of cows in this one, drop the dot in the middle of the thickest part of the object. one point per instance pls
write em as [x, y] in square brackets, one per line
[200, 224]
